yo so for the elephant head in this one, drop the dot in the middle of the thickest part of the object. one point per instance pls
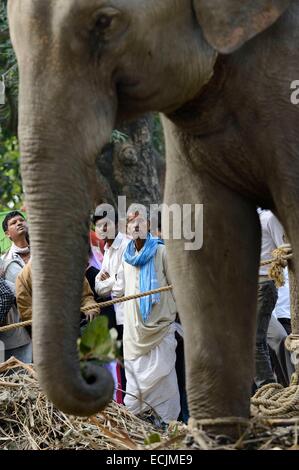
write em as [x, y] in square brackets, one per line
[83, 64]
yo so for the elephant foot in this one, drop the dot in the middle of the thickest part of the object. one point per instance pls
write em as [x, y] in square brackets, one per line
[206, 433]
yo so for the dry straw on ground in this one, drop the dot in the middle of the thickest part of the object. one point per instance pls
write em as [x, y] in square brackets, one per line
[29, 421]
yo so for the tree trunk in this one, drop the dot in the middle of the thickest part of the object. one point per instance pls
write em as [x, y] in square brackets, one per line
[132, 167]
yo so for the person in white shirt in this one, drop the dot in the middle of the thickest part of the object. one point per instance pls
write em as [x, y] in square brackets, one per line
[17, 342]
[106, 285]
[115, 246]
[282, 309]
[15, 228]
[267, 296]
[270, 332]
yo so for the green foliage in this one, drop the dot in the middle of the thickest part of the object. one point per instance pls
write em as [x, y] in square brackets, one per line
[118, 136]
[10, 179]
[152, 439]
[98, 342]
[8, 72]
[7, 56]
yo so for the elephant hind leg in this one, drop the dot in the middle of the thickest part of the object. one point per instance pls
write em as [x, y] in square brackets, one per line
[216, 292]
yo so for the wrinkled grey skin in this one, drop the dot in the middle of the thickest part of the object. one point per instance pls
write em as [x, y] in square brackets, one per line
[220, 71]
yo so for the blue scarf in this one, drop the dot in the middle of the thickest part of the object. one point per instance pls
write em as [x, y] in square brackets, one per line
[145, 259]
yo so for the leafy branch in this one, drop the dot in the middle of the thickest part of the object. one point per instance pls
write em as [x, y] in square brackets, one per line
[99, 343]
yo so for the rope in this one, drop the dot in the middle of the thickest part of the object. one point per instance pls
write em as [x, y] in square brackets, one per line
[125, 299]
[280, 259]
[14, 326]
[275, 401]
[94, 306]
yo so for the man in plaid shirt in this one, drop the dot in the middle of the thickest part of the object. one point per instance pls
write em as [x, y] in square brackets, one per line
[15, 342]
[6, 300]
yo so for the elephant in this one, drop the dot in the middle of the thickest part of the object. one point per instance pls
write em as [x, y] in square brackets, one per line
[219, 72]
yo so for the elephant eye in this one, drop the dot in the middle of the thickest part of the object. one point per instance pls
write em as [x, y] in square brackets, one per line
[104, 25]
[103, 22]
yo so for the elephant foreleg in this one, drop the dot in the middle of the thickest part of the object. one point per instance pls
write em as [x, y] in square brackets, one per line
[216, 292]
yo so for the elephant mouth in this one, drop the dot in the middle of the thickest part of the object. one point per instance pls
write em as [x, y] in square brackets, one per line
[127, 87]
[133, 99]
[131, 93]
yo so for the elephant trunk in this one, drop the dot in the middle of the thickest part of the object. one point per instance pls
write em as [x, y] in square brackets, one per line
[58, 148]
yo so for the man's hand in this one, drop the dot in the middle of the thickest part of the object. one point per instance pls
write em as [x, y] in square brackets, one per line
[105, 276]
[91, 315]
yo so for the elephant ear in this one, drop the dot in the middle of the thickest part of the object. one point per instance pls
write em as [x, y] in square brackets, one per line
[227, 24]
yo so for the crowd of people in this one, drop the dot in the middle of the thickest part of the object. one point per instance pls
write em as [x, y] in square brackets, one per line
[151, 380]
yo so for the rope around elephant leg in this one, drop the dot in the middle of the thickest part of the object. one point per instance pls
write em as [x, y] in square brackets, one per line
[275, 401]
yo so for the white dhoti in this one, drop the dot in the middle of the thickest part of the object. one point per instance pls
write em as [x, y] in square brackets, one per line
[152, 380]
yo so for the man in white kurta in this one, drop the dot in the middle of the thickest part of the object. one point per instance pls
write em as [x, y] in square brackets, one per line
[106, 283]
[150, 345]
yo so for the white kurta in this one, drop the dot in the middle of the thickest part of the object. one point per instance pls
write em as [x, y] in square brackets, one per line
[283, 305]
[272, 237]
[152, 381]
[149, 348]
[140, 337]
[112, 264]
